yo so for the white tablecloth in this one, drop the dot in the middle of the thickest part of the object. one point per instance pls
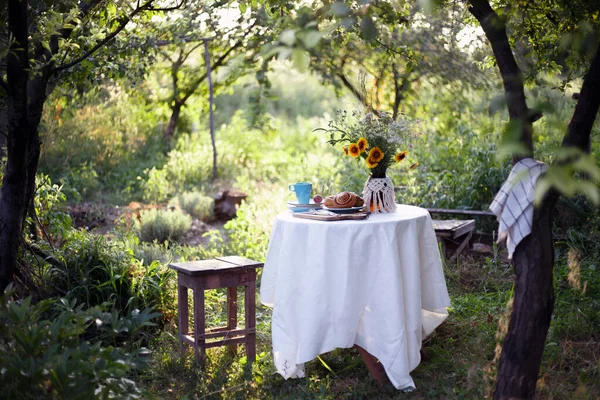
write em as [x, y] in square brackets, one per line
[376, 283]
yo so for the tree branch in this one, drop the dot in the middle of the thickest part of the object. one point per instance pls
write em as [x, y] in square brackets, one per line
[163, 9]
[342, 77]
[192, 88]
[588, 103]
[495, 30]
[122, 23]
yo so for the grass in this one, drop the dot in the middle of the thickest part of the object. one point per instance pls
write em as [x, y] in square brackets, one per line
[458, 360]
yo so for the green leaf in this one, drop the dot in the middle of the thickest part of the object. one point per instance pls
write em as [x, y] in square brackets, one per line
[589, 190]
[311, 38]
[288, 37]
[340, 8]
[300, 59]
[586, 164]
[429, 6]
[541, 188]
[367, 28]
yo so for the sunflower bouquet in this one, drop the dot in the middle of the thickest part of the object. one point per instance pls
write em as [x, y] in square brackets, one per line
[378, 139]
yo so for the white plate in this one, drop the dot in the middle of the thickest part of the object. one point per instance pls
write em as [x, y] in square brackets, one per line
[312, 204]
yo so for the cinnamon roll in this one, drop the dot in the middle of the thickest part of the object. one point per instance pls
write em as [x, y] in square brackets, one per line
[344, 200]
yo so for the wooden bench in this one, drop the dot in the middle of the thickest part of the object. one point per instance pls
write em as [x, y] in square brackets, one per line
[454, 234]
[223, 272]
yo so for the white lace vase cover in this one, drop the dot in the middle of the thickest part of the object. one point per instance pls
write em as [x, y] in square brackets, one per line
[379, 196]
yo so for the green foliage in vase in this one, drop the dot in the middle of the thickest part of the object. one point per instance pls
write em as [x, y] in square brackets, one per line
[377, 138]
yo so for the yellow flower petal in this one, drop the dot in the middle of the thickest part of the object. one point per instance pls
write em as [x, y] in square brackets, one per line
[376, 154]
[370, 163]
[400, 156]
[362, 144]
[353, 150]
[345, 148]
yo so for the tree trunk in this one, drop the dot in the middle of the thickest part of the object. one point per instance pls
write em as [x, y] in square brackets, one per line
[495, 30]
[170, 132]
[12, 200]
[532, 310]
[211, 120]
[3, 126]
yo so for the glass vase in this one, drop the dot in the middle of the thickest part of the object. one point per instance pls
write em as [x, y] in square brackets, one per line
[379, 196]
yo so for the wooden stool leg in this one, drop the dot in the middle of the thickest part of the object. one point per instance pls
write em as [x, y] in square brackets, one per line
[373, 365]
[199, 324]
[182, 305]
[232, 313]
[463, 244]
[250, 314]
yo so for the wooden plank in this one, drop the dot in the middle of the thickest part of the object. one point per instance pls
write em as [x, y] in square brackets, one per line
[199, 325]
[241, 261]
[232, 313]
[226, 342]
[182, 310]
[204, 267]
[461, 212]
[460, 248]
[228, 333]
[452, 228]
[189, 339]
[250, 315]
[467, 227]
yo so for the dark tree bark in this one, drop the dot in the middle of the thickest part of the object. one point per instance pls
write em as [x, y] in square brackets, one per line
[401, 85]
[495, 30]
[170, 132]
[533, 260]
[26, 95]
[12, 201]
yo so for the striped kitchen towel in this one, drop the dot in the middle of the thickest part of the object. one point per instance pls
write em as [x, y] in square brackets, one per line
[513, 205]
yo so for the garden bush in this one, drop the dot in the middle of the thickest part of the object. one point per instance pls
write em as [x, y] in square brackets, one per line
[196, 204]
[163, 225]
[93, 270]
[57, 349]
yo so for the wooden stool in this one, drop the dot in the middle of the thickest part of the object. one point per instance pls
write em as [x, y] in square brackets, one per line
[224, 272]
[454, 234]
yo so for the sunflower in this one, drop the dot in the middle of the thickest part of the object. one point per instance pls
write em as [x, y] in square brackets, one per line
[362, 144]
[353, 150]
[415, 165]
[400, 156]
[345, 148]
[376, 155]
[370, 163]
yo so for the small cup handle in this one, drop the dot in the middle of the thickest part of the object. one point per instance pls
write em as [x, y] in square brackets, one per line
[291, 188]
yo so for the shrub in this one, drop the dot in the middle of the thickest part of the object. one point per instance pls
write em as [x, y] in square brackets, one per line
[163, 225]
[94, 271]
[196, 204]
[50, 357]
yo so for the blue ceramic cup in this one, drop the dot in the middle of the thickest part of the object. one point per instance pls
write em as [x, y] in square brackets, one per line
[302, 190]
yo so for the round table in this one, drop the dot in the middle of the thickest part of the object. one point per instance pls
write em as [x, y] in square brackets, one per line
[376, 283]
